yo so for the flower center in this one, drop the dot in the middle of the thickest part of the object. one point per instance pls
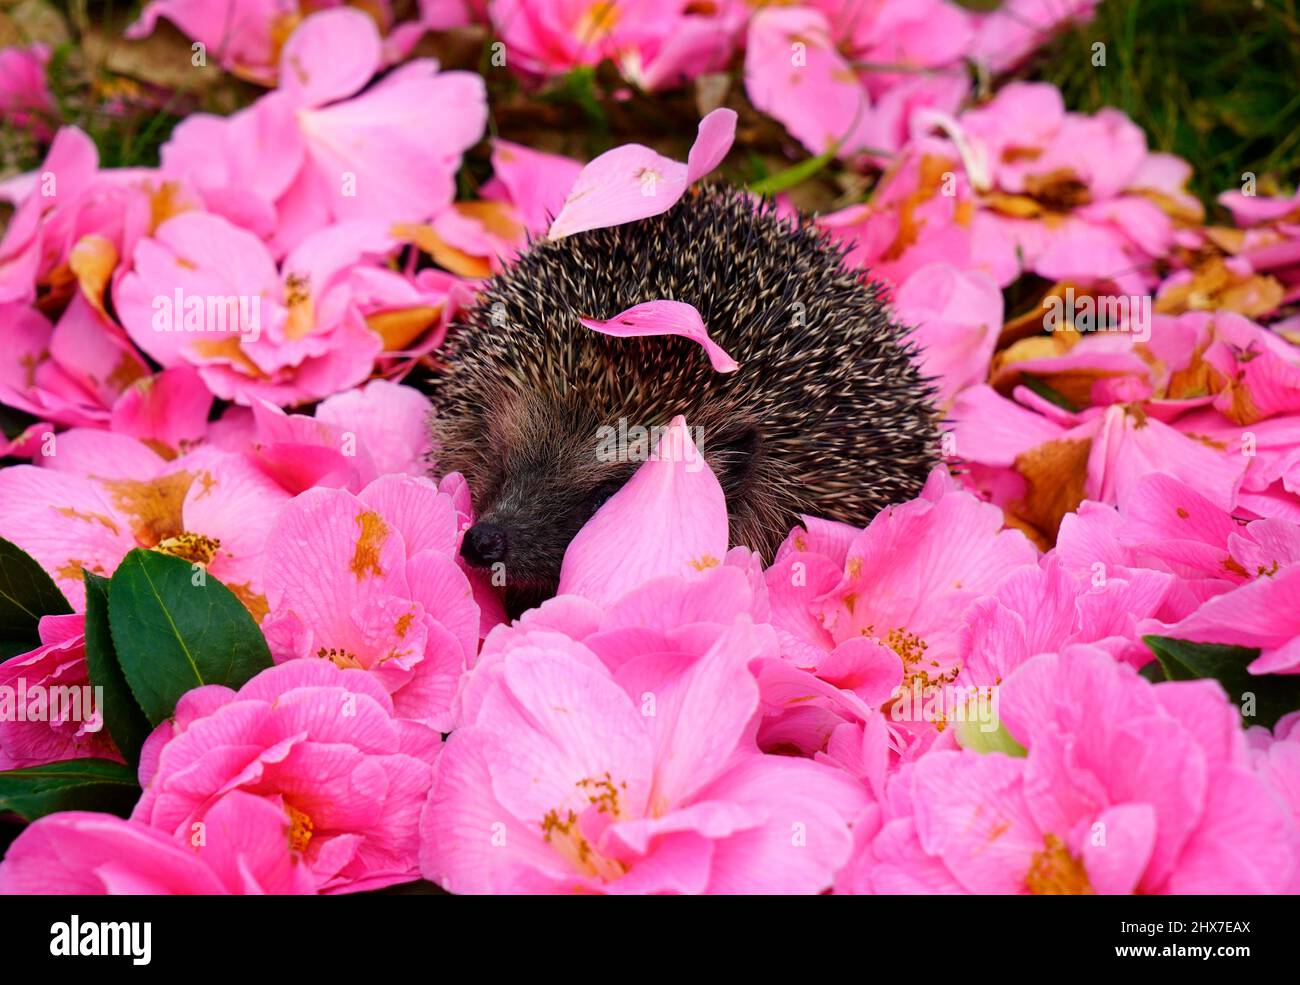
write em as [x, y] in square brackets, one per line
[916, 665]
[297, 298]
[195, 548]
[343, 659]
[300, 828]
[561, 830]
[1055, 872]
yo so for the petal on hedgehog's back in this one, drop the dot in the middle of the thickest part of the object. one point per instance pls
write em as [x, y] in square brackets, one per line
[634, 182]
[665, 318]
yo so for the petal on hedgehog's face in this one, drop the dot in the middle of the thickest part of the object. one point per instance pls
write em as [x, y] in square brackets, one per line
[540, 466]
[541, 474]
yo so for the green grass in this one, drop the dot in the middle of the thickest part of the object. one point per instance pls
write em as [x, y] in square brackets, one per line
[1216, 82]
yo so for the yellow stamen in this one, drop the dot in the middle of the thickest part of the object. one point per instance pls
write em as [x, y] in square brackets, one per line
[561, 831]
[195, 548]
[1055, 872]
[300, 828]
[343, 659]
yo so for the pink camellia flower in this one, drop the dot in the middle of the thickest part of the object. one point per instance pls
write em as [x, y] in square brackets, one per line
[573, 779]
[167, 411]
[1264, 613]
[321, 745]
[1020, 453]
[371, 581]
[921, 34]
[240, 35]
[548, 37]
[391, 152]
[53, 713]
[206, 293]
[101, 494]
[319, 149]
[25, 100]
[922, 213]
[356, 436]
[1175, 366]
[817, 684]
[633, 182]
[859, 615]
[1165, 528]
[242, 848]
[1044, 609]
[72, 225]
[848, 78]
[73, 372]
[794, 73]
[246, 36]
[701, 40]
[1094, 806]
[908, 578]
[1081, 196]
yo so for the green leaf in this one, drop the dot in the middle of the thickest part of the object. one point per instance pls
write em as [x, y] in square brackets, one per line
[1183, 660]
[26, 594]
[578, 86]
[122, 715]
[72, 785]
[795, 174]
[1153, 672]
[172, 635]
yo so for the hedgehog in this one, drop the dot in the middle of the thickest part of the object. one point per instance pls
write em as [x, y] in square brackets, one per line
[828, 415]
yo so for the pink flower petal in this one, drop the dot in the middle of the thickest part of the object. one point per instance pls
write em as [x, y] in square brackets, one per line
[633, 182]
[665, 318]
[670, 518]
[329, 56]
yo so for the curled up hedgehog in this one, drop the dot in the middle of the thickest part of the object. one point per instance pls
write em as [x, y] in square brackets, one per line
[827, 415]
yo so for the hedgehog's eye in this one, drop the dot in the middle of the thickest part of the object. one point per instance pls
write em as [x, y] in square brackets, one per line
[598, 496]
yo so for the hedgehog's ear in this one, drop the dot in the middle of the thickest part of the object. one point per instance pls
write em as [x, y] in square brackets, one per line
[733, 455]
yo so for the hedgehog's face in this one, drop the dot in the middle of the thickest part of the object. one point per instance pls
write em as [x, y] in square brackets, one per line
[538, 477]
[539, 466]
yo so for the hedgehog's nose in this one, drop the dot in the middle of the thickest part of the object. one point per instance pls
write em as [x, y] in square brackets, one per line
[484, 545]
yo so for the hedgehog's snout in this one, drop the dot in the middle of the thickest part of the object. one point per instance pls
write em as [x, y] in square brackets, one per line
[485, 544]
